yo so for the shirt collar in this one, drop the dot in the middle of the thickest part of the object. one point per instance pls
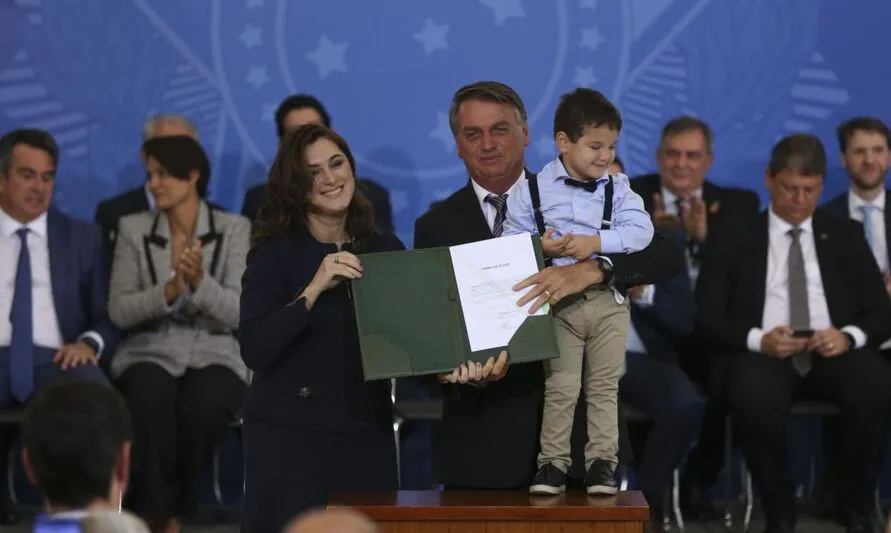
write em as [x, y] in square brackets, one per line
[481, 191]
[670, 198]
[854, 201]
[778, 226]
[9, 225]
[556, 171]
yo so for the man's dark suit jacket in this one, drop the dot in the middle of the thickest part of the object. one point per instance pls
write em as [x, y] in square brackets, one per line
[489, 435]
[110, 211]
[79, 272]
[377, 195]
[838, 207]
[663, 326]
[733, 277]
[721, 203]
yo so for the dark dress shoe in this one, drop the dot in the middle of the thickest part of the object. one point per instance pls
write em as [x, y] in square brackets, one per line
[782, 526]
[864, 524]
[8, 515]
[695, 503]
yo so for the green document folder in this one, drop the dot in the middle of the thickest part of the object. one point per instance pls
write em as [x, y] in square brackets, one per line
[411, 322]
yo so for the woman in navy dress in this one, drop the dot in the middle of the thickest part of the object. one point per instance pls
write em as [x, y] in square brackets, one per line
[312, 426]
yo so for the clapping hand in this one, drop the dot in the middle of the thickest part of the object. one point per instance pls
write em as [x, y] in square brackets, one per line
[191, 265]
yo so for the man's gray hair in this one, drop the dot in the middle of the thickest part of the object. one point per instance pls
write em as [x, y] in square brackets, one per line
[153, 124]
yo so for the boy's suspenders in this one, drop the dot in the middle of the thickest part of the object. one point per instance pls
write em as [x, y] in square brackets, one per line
[605, 222]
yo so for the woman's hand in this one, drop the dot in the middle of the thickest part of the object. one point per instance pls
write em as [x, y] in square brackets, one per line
[191, 265]
[334, 269]
[174, 287]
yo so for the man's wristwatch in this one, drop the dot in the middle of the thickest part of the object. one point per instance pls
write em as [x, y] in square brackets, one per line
[91, 342]
[607, 268]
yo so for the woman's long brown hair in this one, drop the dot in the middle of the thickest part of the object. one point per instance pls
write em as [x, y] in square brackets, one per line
[290, 184]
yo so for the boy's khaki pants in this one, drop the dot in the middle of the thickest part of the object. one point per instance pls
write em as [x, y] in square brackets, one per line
[592, 330]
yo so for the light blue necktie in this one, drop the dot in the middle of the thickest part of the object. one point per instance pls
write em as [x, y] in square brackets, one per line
[21, 349]
[866, 212]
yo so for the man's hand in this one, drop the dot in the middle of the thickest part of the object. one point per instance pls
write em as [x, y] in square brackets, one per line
[695, 219]
[582, 247]
[661, 219]
[74, 355]
[470, 372]
[829, 342]
[555, 283]
[636, 291]
[551, 247]
[780, 343]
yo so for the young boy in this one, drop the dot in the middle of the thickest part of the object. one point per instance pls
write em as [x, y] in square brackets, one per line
[583, 212]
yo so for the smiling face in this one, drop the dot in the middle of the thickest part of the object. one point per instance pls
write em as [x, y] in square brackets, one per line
[866, 159]
[590, 156]
[684, 159]
[333, 179]
[166, 189]
[491, 138]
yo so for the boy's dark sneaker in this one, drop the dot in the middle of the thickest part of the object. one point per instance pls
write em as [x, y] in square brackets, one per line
[601, 478]
[549, 481]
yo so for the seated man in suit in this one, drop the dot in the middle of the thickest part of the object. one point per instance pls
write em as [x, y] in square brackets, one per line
[295, 111]
[795, 303]
[76, 448]
[680, 195]
[663, 315]
[863, 143]
[139, 199]
[53, 280]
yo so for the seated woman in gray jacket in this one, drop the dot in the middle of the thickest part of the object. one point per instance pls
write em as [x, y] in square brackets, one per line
[175, 286]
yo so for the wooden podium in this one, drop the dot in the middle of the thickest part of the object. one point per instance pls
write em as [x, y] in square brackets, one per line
[501, 512]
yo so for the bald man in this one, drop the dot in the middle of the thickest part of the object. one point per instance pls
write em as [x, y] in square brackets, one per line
[333, 520]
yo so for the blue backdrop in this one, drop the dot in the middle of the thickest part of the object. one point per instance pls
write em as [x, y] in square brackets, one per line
[91, 71]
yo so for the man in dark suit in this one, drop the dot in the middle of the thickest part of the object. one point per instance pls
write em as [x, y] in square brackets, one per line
[295, 111]
[794, 302]
[679, 192]
[863, 143]
[488, 436]
[136, 200]
[58, 326]
[680, 196]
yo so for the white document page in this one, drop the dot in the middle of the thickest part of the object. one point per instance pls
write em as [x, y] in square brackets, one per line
[485, 272]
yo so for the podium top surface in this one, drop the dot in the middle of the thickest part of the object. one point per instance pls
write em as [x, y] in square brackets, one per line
[494, 505]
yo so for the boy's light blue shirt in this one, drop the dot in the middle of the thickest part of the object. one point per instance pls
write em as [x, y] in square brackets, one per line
[574, 210]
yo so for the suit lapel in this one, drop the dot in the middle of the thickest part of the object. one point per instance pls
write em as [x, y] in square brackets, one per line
[60, 259]
[823, 246]
[888, 226]
[209, 237]
[472, 217]
[157, 251]
[758, 272]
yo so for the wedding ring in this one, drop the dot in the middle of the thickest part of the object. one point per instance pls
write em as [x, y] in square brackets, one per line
[336, 258]
[548, 293]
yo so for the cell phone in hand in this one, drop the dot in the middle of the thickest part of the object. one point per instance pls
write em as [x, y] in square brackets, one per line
[803, 333]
